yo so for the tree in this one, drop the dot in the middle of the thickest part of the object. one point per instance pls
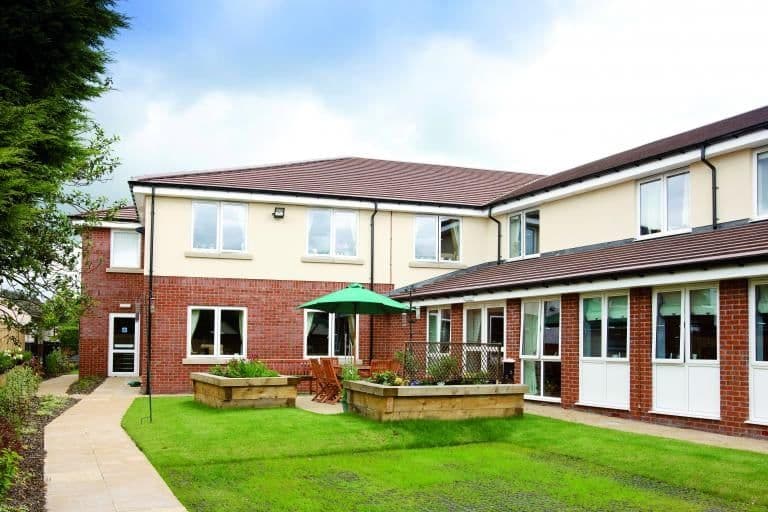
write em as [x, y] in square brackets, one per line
[52, 62]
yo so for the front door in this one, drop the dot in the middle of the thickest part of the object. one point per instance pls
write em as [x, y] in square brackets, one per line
[123, 344]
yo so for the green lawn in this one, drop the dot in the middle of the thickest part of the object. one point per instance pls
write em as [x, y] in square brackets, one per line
[292, 460]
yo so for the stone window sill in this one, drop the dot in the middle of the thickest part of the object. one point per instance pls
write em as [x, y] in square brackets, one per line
[125, 270]
[207, 360]
[436, 264]
[332, 259]
[219, 255]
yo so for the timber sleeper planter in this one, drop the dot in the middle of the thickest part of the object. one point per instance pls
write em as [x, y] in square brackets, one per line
[254, 392]
[450, 402]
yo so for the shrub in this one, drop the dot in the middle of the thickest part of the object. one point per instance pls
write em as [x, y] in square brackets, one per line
[56, 363]
[442, 369]
[243, 368]
[11, 358]
[16, 395]
[9, 466]
[408, 361]
[387, 378]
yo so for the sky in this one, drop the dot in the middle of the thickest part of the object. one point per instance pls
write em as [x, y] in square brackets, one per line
[536, 85]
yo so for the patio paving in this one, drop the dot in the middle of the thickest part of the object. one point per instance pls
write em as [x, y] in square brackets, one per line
[641, 427]
[92, 465]
[305, 402]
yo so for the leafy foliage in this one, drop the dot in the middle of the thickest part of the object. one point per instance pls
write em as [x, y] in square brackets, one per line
[9, 466]
[56, 363]
[243, 368]
[85, 385]
[16, 394]
[441, 370]
[52, 61]
[11, 358]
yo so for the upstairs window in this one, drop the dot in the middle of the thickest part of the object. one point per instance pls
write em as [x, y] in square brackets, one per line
[125, 249]
[219, 226]
[437, 238]
[524, 234]
[761, 172]
[664, 204]
[332, 233]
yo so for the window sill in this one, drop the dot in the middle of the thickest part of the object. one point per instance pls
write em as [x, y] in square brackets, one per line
[219, 255]
[662, 235]
[208, 359]
[536, 398]
[759, 423]
[602, 406]
[436, 264]
[125, 270]
[339, 260]
[686, 415]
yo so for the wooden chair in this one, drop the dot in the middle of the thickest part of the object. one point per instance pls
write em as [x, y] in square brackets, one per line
[322, 385]
[332, 381]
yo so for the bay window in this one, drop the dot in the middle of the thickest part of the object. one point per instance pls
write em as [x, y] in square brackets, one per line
[540, 348]
[664, 204]
[219, 226]
[524, 234]
[216, 331]
[437, 238]
[125, 249]
[332, 233]
[329, 334]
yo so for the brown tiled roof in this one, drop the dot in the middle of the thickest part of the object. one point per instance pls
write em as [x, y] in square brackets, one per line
[740, 243]
[126, 214]
[681, 142]
[360, 178]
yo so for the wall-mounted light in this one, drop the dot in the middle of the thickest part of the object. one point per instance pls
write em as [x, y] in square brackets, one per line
[279, 212]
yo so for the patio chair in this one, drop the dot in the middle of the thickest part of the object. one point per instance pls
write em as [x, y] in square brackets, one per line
[318, 373]
[332, 381]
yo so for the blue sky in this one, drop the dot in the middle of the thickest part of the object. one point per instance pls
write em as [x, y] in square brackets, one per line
[517, 85]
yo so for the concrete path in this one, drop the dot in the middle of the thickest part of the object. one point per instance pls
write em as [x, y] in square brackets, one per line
[641, 427]
[305, 402]
[57, 386]
[92, 465]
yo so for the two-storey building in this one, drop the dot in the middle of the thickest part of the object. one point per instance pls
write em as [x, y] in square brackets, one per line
[635, 285]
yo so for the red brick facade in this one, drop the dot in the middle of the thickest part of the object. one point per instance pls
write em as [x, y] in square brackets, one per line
[275, 332]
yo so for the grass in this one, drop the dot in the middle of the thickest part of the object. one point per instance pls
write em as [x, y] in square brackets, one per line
[289, 459]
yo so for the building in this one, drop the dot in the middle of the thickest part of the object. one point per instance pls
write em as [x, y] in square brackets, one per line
[635, 285]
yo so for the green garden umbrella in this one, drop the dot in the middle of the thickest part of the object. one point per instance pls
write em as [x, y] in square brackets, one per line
[354, 299]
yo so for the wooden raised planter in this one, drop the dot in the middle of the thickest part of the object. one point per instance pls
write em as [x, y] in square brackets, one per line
[452, 402]
[244, 392]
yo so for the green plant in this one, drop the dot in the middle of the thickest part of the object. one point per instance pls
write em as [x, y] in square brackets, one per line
[476, 378]
[408, 362]
[16, 395]
[85, 385]
[238, 368]
[11, 358]
[56, 363]
[9, 466]
[442, 369]
[387, 378]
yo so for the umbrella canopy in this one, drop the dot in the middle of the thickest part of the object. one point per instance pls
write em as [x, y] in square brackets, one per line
[356, 299]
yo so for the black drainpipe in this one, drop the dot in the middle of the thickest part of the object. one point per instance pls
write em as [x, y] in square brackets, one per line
[151, 307]
[373, 232]
[498, 230]
[714, 184]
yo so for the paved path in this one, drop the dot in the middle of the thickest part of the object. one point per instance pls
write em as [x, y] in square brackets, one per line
[92, 465]
[305, 402]
[57, 386]
[641, 427]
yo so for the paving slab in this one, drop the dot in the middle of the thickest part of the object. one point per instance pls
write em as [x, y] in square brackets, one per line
[92, 465]
[305, 402]
[651, 429]
[57, 386]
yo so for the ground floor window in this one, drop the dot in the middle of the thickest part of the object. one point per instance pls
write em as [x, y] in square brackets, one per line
[216, 331]
[540, 347]
[439, 330]
[758, 360]
[483, 324]
[329, 334]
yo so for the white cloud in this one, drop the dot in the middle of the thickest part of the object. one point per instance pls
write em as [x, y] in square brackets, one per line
[608, 77]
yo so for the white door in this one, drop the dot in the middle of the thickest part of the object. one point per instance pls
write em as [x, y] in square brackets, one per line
[686, 367]
[758, 359]
[123, 344]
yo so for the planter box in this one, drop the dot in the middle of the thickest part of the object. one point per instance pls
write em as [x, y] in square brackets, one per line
[256, 392]
[392, 403]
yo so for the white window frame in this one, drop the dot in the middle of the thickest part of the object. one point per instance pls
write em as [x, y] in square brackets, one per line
[664, 208]
[756, 215]
[438, 219]
[112, 247]
[438, 310]
[604, 296]
[217, 332]
[219, 227]
[522, 214]
[111, 340]
[484, 307]
[540, 357]
[332, 239]
[685, 308]
[331, 335]
[754, 364]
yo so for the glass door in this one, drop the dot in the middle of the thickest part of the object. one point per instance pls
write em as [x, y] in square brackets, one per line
[123, 344]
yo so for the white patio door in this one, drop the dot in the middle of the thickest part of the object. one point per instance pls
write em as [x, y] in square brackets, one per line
[758, 359]
[686, 366]
[123, 344]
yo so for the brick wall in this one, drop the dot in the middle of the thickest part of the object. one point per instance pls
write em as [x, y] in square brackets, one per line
[640, 343]
[513, 335]
[108, 291]
[734, 353]
[569, 349]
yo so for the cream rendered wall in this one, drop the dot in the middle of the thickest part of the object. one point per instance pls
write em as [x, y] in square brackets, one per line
[734, 191]
[277, 247]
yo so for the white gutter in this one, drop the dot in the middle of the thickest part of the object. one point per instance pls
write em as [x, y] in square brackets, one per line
[109, 224]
